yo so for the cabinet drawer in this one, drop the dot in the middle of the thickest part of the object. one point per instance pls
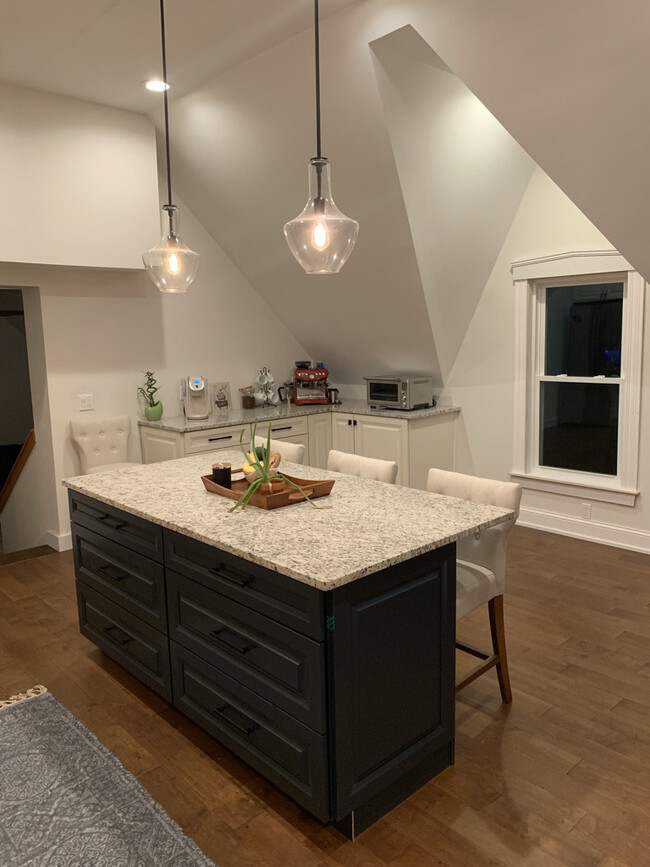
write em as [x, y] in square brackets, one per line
[121, 527]
[215, 438]
[276, 596]
[283, 428]
[286, 752]
[281, 665]
[133, 581]
[138, 647]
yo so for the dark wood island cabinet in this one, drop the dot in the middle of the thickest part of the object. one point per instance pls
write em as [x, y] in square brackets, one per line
[343, 698]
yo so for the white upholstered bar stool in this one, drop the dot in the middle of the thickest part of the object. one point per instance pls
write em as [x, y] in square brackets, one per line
[365, 468]
[102, 443]
[481, 566]
[294, 452]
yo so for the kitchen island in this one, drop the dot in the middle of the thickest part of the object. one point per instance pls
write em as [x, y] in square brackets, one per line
[317, 644]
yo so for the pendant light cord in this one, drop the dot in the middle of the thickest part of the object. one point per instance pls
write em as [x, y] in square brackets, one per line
[317, 58]
[166, 104]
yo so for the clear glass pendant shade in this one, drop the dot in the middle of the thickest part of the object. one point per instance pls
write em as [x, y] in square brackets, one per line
[321, 237]
[171, 264]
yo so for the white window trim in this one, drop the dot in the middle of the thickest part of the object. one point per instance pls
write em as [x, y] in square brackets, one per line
[526, 275]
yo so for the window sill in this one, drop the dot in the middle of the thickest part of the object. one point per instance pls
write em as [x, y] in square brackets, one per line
[603, 493]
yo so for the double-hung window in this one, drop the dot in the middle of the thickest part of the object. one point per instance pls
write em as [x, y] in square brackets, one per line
[578, 372]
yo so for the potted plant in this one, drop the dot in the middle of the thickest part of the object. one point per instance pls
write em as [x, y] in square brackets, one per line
[262, 472]
[153, 408]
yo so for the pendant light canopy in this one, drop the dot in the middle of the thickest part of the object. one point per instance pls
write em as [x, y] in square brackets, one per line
[171, 264]
[320, 237]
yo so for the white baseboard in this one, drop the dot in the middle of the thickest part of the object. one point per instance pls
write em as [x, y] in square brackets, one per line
[590, 531]
[59, 543]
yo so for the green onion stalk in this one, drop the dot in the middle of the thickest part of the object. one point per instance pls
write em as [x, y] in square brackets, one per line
[260, 458]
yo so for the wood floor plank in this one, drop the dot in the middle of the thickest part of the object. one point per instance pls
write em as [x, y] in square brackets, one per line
[560, 777]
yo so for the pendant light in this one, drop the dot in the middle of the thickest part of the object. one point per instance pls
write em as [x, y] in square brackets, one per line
[171, 264]
[320, 237]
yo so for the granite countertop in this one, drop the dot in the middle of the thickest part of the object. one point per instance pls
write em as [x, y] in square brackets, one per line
[370, 525]
[228, 417]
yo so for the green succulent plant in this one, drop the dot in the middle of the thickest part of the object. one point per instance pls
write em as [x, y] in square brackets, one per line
[150, 388]
[259, 458]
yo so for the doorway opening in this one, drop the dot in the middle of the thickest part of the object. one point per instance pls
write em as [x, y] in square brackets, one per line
[16, 412]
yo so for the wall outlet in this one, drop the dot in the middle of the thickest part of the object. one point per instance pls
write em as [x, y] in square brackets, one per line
[86, 401]
[585, 511]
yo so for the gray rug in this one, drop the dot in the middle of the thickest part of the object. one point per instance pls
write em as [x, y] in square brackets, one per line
[67, 801]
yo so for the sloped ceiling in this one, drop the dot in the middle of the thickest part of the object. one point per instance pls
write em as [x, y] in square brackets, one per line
[564, 79]
[463, 178]
[242, 144]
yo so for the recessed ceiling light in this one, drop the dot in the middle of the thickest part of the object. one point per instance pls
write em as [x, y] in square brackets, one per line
[156, 85]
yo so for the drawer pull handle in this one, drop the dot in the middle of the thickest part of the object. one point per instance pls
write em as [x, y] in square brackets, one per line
[287, 427]
[111, 522]
[106, 569]
[216, 439]
[232, 577]
[248, 726]
[116, 637]
[236, 642]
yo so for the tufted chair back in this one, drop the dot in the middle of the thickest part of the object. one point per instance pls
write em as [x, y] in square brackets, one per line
[294, 452]
[102, 443]
[487, 548]
[365, 468]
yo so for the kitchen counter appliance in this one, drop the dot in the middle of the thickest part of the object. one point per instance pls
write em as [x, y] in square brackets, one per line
[195, 397]
[310, 385]
[399, 392]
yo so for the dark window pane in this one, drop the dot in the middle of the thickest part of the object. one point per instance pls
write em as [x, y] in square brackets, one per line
[579, 427]
[583, 329]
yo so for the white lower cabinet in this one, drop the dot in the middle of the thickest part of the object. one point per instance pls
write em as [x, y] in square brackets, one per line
[374, 437]
[165, 445]
[416, 445]
[320, 438]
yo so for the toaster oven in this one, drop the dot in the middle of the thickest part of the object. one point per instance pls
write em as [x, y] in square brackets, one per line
[400, 392]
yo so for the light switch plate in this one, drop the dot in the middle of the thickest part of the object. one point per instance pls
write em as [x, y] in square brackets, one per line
[86, 401]
[220, 395]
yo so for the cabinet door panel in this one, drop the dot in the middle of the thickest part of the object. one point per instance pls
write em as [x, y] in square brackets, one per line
[274, 595]
[138, 647]
[393, 698]
[383, 438]
[320, 439]
[215, 438]
[285, 751]
[281, 665]
[343, 432]
[134, 582]
[160, 445]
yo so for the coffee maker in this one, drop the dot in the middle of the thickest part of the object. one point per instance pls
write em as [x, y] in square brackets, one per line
[310, 385]
[195, 397]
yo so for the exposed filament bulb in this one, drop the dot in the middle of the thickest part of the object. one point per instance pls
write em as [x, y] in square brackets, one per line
[173, 264]
[320, 235]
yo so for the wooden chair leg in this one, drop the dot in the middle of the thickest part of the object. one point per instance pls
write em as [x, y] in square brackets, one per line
[497, 627]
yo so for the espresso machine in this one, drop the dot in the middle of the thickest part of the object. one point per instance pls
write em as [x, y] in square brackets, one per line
[310, 385]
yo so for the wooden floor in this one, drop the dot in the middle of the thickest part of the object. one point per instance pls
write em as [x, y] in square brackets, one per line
[559, 778]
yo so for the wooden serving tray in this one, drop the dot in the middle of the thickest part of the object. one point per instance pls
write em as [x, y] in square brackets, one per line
[286, 497]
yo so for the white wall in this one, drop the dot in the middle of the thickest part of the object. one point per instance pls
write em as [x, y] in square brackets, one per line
[79, 182]
[102, 329]
[481, 381]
